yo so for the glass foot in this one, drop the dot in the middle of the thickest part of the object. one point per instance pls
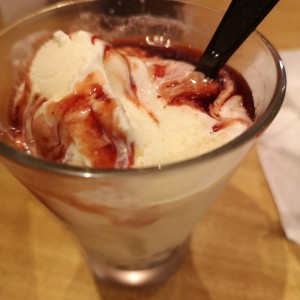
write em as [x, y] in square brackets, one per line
[138, 278]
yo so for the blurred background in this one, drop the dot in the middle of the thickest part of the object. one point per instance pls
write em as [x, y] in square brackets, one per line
[11, 10]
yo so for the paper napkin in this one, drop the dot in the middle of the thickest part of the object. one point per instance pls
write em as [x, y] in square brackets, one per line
[279, 151]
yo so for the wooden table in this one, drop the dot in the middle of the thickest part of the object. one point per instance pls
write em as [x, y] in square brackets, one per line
[238, 252]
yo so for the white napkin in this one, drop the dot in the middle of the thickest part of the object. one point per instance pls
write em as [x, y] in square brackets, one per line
[279, 151]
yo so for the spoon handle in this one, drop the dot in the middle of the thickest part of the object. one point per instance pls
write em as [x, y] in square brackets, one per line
[239, 21]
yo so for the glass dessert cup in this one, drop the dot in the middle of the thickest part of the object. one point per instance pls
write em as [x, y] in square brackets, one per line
[134, 225]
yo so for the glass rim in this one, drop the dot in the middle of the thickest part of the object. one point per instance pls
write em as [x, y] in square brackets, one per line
[258, 127]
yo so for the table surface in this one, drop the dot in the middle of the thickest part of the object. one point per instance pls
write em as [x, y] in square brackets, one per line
[239, 251]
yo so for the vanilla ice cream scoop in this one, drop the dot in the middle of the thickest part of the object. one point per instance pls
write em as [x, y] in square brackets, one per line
[86, 102]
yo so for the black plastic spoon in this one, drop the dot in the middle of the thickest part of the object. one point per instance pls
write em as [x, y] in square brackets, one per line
[239, 21]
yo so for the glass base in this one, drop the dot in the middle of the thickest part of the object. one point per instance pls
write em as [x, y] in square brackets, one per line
[139, 278]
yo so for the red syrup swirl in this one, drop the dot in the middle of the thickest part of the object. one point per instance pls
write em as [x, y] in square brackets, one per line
[130, 93]
[194, 90]
[87, 114]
